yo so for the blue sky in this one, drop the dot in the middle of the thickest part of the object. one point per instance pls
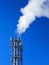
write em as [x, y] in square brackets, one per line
[35, 39]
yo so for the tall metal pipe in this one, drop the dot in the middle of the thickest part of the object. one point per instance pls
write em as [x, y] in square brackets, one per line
[17, 49]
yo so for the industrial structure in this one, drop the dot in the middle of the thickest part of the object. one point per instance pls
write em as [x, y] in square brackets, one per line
[16, 50]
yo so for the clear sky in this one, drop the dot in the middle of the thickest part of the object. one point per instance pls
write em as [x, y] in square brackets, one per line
[35, 39]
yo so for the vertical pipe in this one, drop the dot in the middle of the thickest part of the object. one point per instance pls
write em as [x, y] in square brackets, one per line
[16, 52]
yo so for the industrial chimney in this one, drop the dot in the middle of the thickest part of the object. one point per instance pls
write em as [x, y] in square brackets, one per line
[16, 50]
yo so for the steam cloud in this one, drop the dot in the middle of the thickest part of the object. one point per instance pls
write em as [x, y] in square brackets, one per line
[34, 8]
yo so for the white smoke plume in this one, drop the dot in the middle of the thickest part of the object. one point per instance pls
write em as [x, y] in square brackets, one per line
[34, 8]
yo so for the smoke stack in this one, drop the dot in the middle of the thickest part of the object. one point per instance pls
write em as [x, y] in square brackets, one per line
[16, 50]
